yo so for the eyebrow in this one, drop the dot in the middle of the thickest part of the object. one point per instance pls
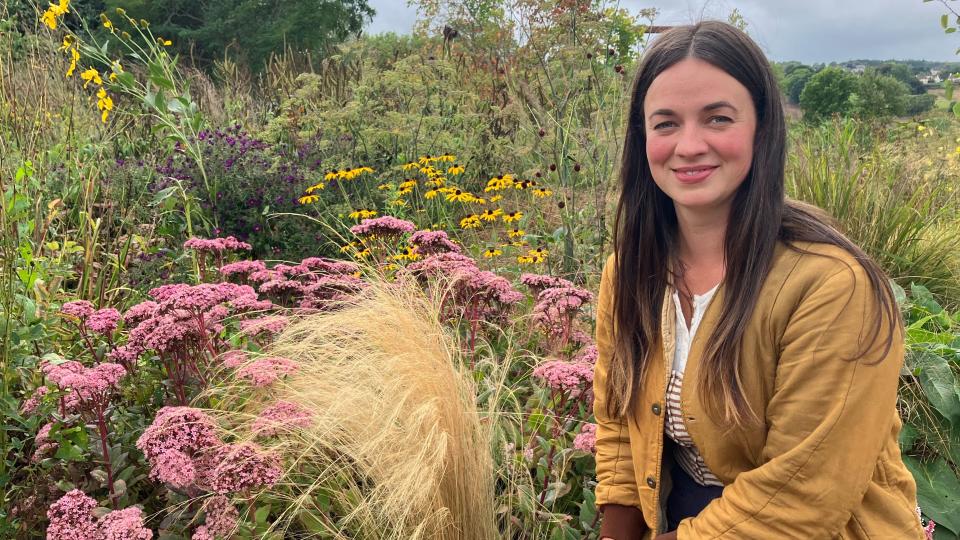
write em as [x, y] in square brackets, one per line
[707, 108]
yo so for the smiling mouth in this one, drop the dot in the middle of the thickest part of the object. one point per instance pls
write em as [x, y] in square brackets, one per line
[693, 172]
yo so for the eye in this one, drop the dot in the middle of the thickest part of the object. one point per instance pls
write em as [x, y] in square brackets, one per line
[720, 119]
[664, 125]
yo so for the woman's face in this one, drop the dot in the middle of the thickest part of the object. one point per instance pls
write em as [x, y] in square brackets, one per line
[699, 124]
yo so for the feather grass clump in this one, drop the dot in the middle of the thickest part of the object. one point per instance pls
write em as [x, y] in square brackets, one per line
[394, 447]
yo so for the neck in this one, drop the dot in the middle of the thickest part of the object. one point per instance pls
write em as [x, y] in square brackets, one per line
[702, 237]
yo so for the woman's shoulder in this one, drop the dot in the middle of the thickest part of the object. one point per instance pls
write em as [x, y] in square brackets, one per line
[801, 268]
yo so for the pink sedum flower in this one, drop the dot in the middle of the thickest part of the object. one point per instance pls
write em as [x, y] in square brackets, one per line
[126, 524]
[79, 309]
[221, 518]
[245, 466]
[43, 444]
[71, 517]
[431, 242]
[265, 371]
[183, 429]
[383, 226]
[280, 417]
[103, 321]
[565, 376]
[31, 405]
[586, 440]
[175, 468]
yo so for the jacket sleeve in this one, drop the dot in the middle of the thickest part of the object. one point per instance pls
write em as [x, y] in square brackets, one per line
[616, 484]
[827, 420]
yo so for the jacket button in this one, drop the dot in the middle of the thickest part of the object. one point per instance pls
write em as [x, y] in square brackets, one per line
[656, 409]
[652, 482]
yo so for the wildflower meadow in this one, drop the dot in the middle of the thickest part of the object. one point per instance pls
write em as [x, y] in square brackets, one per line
[352, 294]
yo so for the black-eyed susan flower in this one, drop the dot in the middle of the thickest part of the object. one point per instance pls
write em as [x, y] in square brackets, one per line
[349, 247]
[496, 198]
[405, 191]
[424, 160]
[308, 199]
[458, 195]
[104, 104]
[91, 75]
[408, 254]
[512, 216]
[398, 202]
[491, 215]
[408, 184]
[383, 187]
[516, 232]
[541, 193]
[524, 259]
[455, 170]
[470, 222]
[362, 254]
[539, 254]
[316, 187]
[431, 194]
[410, 166]
[492, 252]
[449, 158]
[362, 214]
[331, 175]
[437, 181]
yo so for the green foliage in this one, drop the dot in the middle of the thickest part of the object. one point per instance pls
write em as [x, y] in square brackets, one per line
[249, 29]
[827, 93]
[904, 74]
[795, 81]
[919, 104]
[879, 96]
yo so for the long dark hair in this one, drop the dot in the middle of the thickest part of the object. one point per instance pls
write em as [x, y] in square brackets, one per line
[645, 229]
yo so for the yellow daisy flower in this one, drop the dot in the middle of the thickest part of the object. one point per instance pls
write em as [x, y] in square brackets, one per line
[512, 216]
[492, 252]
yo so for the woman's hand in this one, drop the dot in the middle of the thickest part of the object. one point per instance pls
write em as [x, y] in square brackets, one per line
[667, 536]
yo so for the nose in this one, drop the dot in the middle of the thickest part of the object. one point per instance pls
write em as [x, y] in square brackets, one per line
[690, 142]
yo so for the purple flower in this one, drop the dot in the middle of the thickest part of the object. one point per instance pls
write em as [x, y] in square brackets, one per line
[539, 282]
[241, 269]
[271, 324]
[31, 405]
[183, 429]
[140, 312]
[221, 518]
[43, 444]
[587, 355]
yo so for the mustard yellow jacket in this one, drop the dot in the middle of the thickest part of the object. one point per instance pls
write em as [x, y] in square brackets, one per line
[825, 462]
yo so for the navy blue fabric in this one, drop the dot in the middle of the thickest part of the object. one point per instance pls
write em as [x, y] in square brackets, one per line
[687, 498]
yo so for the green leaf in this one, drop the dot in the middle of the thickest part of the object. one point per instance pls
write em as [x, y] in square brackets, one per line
[948, 90]
[908, 437]
[938, 491]
[260, 516]
[939, 385]
[159, 78]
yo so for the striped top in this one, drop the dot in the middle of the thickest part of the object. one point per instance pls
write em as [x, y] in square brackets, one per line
[687, 455]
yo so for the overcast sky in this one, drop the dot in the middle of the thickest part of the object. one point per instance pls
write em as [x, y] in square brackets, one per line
[806, 30]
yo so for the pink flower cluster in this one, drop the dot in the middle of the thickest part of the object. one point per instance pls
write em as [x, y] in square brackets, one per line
[32, 403]
[103, 321]
[329, 266]
[88, 389]
[80, 309]
[281, 416]
[71, 518]
[220, 521]
[573, 377]
[383, 226]
[555, 313]
[271, 324]
[179, 444]
[432, 242]
[245, 466]
[587, 355]
[586, 440]
[266, 371]
[241, 269]
[538, 282]
[216, 245]
[43, 444]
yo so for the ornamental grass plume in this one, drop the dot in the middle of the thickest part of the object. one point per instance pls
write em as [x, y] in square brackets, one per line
[393, 437]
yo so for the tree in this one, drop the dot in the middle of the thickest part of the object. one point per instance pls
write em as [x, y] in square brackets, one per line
[252, 29]
[904, 74]
[795, 81]
[827, 93]
[879, 96]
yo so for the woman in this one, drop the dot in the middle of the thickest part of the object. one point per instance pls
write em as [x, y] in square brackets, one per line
[749, 353]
